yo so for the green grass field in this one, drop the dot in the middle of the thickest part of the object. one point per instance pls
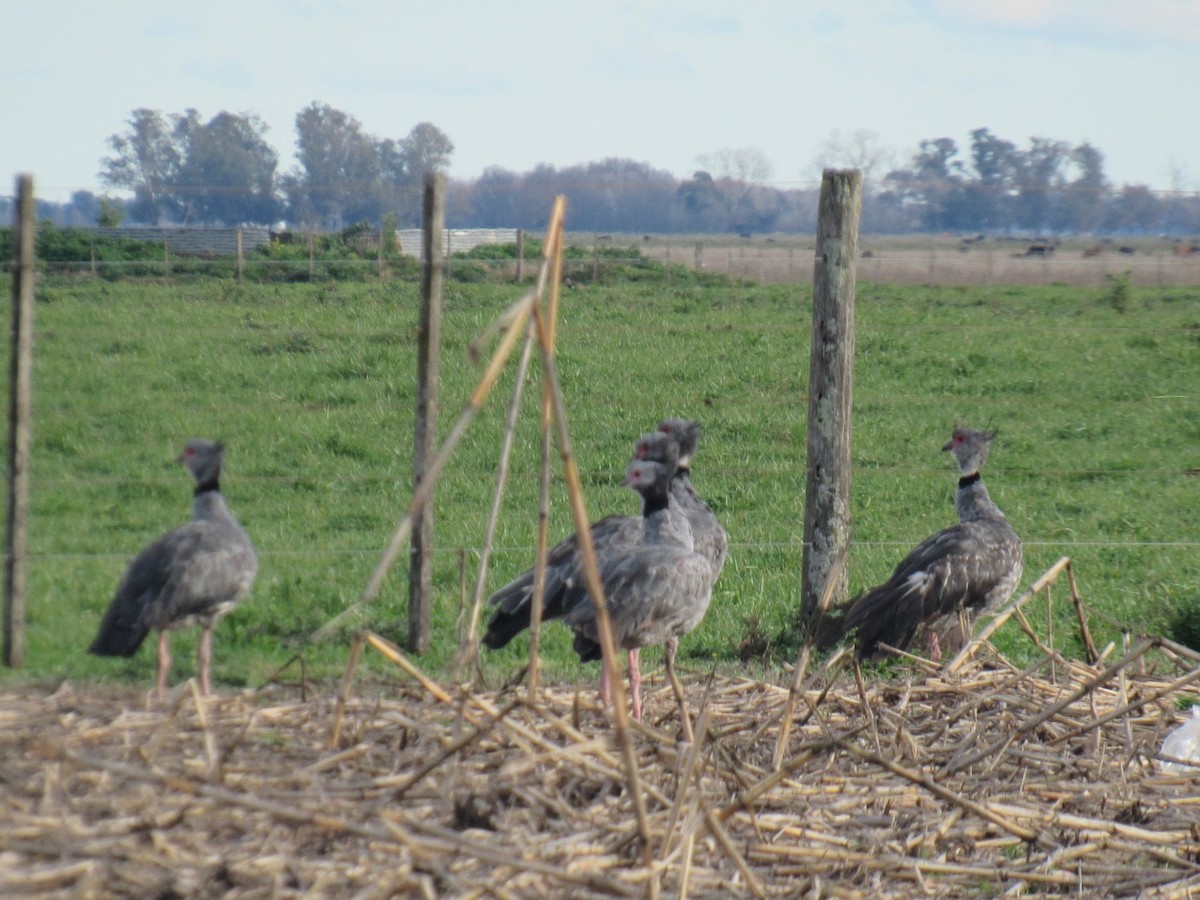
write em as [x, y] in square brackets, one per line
[1097, 397]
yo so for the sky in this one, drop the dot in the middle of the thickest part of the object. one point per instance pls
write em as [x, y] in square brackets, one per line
[515, 85]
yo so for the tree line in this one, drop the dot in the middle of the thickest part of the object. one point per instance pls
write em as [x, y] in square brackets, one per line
[181, 169]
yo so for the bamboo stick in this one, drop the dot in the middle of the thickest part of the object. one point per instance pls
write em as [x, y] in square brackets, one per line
[944, 793]
[470, 642]
[552, 253]
[608, 646]
[425, 488]
[1137, 653]
[1003, 616]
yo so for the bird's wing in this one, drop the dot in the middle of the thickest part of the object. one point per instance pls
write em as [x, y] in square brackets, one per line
[208, 572]
[962, 564]
[564, 579]
[652, 594]
[129, 618]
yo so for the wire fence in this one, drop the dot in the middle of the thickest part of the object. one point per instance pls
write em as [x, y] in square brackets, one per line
[1147, 262]
[999, 265]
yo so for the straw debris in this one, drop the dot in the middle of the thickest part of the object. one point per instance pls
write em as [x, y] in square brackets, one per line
[431, 790]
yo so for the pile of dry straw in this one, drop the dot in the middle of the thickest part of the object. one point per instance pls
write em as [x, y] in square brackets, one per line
[975, 778]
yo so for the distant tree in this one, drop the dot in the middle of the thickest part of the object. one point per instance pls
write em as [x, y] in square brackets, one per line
[614, 190]
[182, 168]
[532, 205]
[146, 161]
[84, 207]
[722, 195]
[861, 150]
[997, 165]
[1041, 180]
[340, 176]
[494, 198]
[1134, 210]
[403, 165]
[932, 187]
[347, 175]
[757, 209]
[1086, 195]
[1182, 213]
[110, 213]
[227, 174]
[743, 164]
[704, 203]
[426, 149]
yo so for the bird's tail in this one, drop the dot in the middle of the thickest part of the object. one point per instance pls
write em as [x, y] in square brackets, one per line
[118, 636]
[514, 604]
[588, 649]
[883, 615]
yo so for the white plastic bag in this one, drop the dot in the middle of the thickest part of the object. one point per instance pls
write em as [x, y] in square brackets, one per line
[1183, 743]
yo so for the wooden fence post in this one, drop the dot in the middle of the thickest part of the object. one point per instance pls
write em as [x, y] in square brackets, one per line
[241, 259]
[520, 254]
[831, 367]
[420, 569]
[19, 402]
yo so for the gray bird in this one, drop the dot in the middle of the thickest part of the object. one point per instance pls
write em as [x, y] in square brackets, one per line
[564, 587]
[711, 540]
[656, 590]
[192, 575]
[974, 565]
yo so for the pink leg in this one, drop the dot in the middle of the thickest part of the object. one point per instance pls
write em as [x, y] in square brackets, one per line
[164, 663]
[205, 664]
[635, 684]
[935, 646]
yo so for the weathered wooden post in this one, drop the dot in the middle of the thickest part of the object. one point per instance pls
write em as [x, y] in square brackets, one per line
[20, 384]
[429, 331]
[831, 368]
[520, 255]
[241, 258]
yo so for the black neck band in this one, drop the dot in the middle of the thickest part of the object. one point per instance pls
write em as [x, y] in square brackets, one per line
[655, 502]
[205, 486]
[968, 480]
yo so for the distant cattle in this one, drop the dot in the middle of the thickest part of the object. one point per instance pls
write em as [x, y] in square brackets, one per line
[1186, 249]
[1041, 248]
[1128, 251]
[1094, 251]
